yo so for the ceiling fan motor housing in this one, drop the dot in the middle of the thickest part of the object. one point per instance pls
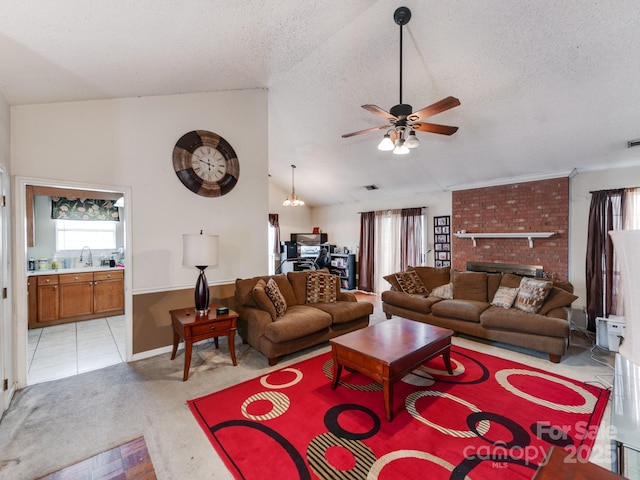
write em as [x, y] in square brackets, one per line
[401, 111]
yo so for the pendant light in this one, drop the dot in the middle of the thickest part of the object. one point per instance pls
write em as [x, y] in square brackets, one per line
[292, 200]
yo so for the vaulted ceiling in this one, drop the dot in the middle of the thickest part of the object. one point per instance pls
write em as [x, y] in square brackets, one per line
[545, 86]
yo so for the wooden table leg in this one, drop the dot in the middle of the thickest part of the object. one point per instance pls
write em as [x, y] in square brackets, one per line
[232, 347]
[337, 370]
[176, 340]
[187, 359]
[215, 342]
[387, 390]
[446, 356]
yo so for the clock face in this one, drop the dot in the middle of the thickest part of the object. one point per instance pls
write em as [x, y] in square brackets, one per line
[205, 163]
[208, 163]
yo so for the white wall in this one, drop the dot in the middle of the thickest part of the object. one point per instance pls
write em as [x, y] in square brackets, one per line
[129, 142]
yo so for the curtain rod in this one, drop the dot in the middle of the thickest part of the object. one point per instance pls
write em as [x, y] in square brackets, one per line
[389, 209]
[613, 189]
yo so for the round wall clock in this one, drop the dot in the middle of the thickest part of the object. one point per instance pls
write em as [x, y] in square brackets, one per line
[205, 163]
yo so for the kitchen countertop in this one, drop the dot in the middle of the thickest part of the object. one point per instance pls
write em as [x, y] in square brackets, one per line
[73, 270]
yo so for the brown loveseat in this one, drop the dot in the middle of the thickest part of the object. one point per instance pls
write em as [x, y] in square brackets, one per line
[307, 319]
[470, 306]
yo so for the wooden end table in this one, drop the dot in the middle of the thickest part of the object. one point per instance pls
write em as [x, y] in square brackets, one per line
[191, 327]
[388, 351]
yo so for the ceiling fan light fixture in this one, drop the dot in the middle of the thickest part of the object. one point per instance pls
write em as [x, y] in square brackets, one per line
[401, 148]
[293, 200]
[412, 140]
[386, 144]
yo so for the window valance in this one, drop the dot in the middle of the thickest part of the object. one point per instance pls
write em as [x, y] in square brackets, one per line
[68, 208]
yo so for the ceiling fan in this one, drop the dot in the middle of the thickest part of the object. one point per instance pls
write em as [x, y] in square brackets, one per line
[403, 122]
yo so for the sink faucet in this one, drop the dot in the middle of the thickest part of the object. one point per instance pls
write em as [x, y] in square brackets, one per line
[89, 262]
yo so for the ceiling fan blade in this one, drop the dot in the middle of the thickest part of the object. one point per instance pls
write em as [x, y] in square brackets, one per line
[367, 130]
[434, 128]
[438, 107]
[380, 112]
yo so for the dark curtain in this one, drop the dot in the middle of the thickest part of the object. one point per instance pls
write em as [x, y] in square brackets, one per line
[599, 263]
[68, 208]
[273, 221]
[367, 252]
[410, 237]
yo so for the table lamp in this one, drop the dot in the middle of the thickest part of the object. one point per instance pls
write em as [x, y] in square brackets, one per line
[200, 251]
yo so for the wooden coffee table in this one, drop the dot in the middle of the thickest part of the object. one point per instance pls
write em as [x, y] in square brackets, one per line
[388, 351]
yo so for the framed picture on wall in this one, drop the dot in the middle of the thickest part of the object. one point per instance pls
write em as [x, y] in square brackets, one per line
[442, 240]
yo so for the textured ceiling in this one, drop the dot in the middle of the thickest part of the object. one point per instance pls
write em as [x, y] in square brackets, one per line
[546, 86]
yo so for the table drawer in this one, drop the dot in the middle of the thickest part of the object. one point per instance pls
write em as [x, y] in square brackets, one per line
[207, 328]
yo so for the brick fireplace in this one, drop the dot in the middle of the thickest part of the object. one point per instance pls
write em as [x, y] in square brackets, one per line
[541, 206]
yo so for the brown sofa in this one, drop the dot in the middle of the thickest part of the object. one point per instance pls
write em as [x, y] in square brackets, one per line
[471, 310]
[303, 324]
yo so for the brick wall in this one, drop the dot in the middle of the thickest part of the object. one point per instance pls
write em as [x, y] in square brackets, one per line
[541, 206]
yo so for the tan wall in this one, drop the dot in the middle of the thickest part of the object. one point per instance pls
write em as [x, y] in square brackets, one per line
[151, 318]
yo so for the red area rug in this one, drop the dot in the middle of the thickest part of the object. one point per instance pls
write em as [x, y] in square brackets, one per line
[492, 418]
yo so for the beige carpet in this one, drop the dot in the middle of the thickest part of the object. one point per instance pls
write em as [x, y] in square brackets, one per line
[56, 424]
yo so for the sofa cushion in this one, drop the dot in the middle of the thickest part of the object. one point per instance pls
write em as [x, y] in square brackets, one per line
[343, 312]
[511, 280]
[443, 291]
[504, 297]
[416, 303]
[532, 294]
[469, 285]
[557, 298]
[300, 320]
[411, 283]
[493, 283]
[468, 310]
[262, 300]
[516, 320]
[273, 292]
[393, 281]
[244, 291]
[432, 277]
[321, 287]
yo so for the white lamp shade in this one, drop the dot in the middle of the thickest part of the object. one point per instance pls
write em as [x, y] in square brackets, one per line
[199, 250]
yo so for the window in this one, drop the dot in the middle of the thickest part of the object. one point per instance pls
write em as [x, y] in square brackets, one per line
[75, 234]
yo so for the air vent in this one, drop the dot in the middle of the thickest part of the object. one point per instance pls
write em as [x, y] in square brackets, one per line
[371, 187]
[633, 143]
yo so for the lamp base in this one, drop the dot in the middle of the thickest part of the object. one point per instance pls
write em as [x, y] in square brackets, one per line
[202, 293]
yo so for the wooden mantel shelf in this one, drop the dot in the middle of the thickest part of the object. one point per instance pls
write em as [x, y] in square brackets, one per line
[528, 235]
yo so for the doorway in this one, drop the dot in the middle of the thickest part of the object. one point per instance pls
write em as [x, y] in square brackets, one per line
[23, 189]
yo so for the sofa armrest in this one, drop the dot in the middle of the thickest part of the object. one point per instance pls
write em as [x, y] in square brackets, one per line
[346, 297]
[252, 323]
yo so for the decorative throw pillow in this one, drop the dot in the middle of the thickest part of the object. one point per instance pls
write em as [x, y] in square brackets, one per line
[410, 282]
[557, 298]
[532, 294]
[505, 297]
[262, 300]
[274, 294]
[321, 288]
[443, 291]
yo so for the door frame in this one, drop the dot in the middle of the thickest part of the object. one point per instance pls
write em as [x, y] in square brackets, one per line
[20, 271]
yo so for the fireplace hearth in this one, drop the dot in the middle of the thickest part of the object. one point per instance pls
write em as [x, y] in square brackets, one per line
[492, 267]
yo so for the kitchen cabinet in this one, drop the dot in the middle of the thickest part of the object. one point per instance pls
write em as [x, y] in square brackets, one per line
[76, 294]
[108, 292]
[48, 298]
[71, 297]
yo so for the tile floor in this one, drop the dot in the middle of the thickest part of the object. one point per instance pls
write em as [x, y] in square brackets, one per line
[65, 350]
